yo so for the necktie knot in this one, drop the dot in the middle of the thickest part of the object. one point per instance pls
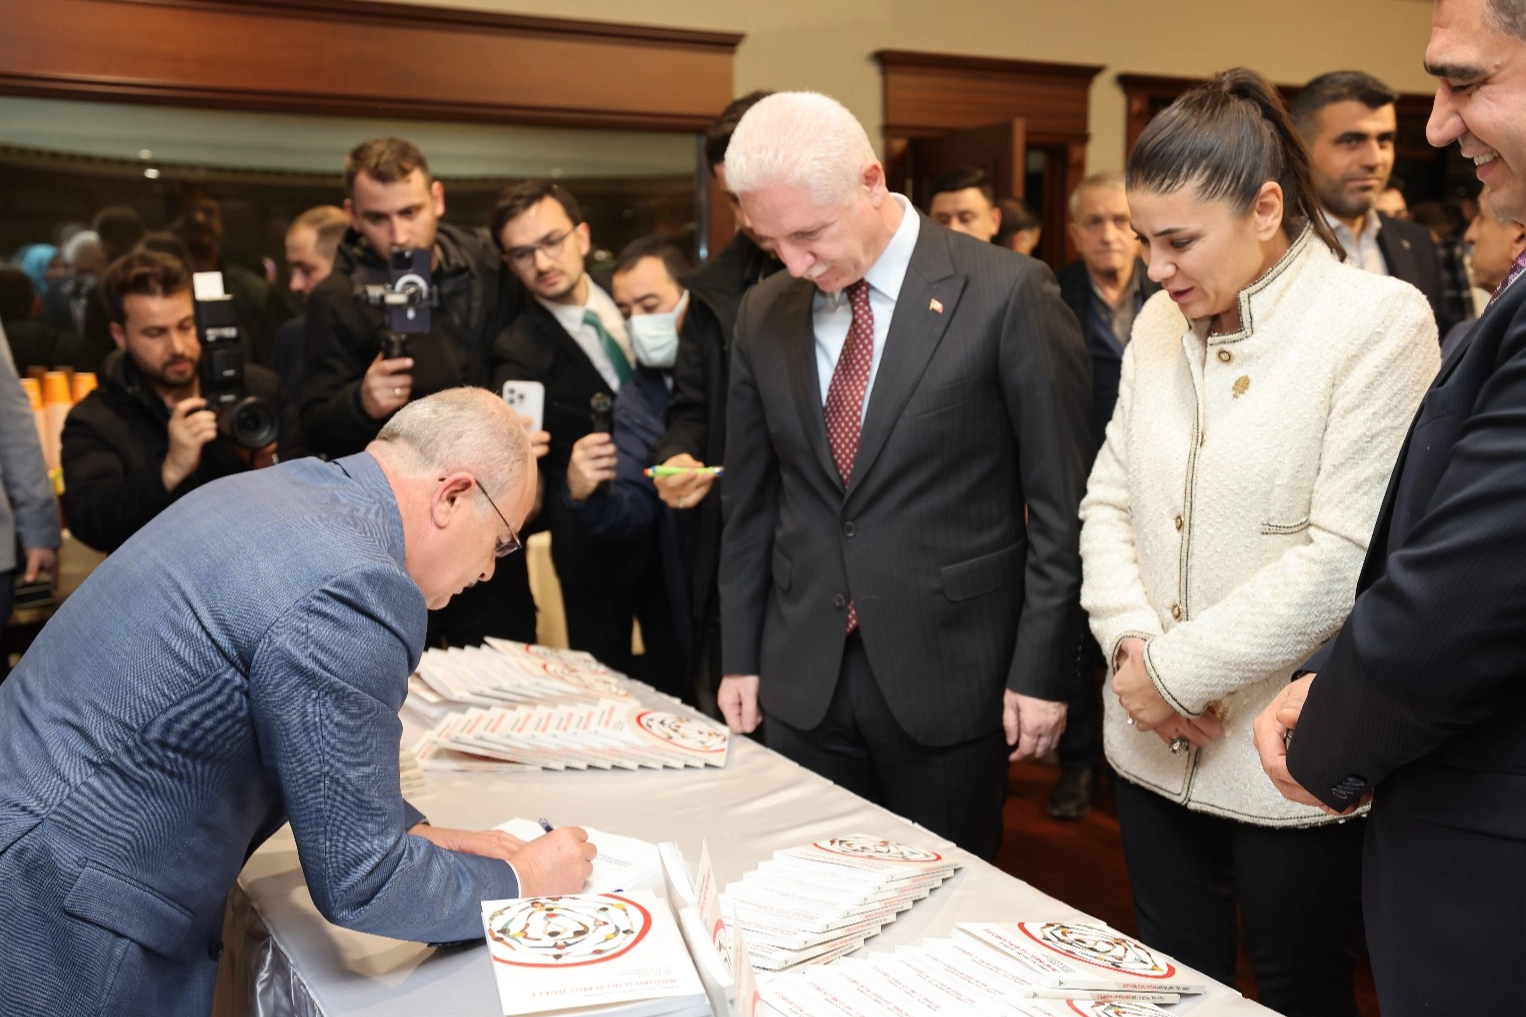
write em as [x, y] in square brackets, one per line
[617, 357]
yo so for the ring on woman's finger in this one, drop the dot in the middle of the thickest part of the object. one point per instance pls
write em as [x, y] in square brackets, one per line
[1179, 744]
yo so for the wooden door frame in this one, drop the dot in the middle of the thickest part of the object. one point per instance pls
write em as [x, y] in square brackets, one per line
[1053, 99]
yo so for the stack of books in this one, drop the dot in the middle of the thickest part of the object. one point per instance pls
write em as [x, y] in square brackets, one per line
[516, 706]
[815, 903]
[606, 734]
[611, 955]
[1024, 969]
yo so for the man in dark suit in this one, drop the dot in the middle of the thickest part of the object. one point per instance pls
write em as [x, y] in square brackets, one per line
[1419, 703]
[1349, 122]
[896, 400]
[1105, 290]
[572, 339]
[696, 414]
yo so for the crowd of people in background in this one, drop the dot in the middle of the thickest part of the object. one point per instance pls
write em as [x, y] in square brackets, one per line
[1291, 217]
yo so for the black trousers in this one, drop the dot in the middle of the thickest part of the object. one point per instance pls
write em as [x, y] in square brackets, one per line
[501, 607]
[599, 621]
[1445, 913]
[1081, 741]
[1296, 890]
[956, 791]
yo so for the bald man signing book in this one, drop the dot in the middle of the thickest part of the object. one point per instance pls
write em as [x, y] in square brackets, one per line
[898, 398]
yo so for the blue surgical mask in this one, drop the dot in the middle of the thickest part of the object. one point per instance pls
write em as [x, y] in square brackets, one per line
[655, 336]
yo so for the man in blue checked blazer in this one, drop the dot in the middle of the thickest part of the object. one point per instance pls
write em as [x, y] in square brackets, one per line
[239, 663]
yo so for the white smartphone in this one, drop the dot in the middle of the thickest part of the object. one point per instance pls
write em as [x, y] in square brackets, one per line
[528, 398]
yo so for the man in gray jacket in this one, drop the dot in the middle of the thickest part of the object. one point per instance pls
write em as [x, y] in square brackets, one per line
[28, 510]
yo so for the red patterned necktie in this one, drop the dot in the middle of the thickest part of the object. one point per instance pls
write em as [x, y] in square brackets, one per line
[845, 396]
[1515, 270]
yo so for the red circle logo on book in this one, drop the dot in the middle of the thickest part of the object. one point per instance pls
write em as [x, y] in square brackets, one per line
[1100, 947]
[566, 932]
[683, 732]
[878, 850]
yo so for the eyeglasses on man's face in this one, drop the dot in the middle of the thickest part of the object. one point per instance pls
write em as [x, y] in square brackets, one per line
[506, 547]
[523, 257]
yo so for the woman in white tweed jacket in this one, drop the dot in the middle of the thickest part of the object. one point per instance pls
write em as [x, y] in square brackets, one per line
[1264, 396]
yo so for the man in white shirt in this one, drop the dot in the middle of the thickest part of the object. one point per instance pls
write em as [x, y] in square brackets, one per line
[572, 339]
[898, 397]
[1349, 122]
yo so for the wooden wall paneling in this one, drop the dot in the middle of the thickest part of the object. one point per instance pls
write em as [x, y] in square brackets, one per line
[363, 58]
[374, 59]
[931, 94]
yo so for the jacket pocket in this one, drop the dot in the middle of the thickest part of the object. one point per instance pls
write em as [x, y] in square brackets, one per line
[781, 569]
[119, 905]
[1285, 529]
[984, 574]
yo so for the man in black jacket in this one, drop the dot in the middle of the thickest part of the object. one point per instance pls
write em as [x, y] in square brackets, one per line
[1105, 290]
[696, 433]
[350, 389]
[1349, 122]
[144, 438]
[1419, 702]
[571, 338]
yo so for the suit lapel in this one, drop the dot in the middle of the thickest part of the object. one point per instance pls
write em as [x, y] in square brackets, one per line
[928, 301]
[794, 322]
[556, 335]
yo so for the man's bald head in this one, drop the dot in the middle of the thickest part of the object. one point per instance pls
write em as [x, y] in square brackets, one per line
[460, 467]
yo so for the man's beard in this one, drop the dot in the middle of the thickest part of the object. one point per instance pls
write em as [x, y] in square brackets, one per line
[1343, 204]
[161, 378]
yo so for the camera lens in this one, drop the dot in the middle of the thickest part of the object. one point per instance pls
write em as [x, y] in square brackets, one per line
[252, 422]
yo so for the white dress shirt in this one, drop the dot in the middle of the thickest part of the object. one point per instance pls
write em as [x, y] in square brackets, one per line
[1362, 249]
[832, 313]
[571, 318]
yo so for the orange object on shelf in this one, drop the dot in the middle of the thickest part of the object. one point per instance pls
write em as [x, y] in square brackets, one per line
[84, 383]
[55, 407]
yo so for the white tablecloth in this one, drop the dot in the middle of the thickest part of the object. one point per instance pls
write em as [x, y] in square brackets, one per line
[284, 958]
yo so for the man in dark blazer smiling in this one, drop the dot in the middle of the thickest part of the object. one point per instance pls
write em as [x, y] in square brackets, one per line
[1419, 703]
[898, 399]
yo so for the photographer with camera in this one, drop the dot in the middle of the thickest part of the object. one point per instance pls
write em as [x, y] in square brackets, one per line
[360, 367]
[150, 433]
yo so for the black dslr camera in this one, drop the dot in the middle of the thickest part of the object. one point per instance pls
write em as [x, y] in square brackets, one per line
[242, 418]
[407, 297]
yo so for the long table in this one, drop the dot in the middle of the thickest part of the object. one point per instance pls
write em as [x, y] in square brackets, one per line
[286, 959]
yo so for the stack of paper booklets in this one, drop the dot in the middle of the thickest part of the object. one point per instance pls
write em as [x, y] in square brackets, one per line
[623, 863]
[610, 955]
[410, 777]
[720, 952]
[1025, 969]
[815, 903]
[532, 708]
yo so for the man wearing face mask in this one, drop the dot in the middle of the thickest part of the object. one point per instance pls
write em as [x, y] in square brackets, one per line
[607, 492]
[572, 338]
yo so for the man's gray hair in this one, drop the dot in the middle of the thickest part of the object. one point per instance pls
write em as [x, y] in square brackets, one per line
[801, 139]
[1110, 179]
[467, 429]
[1507, 17]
